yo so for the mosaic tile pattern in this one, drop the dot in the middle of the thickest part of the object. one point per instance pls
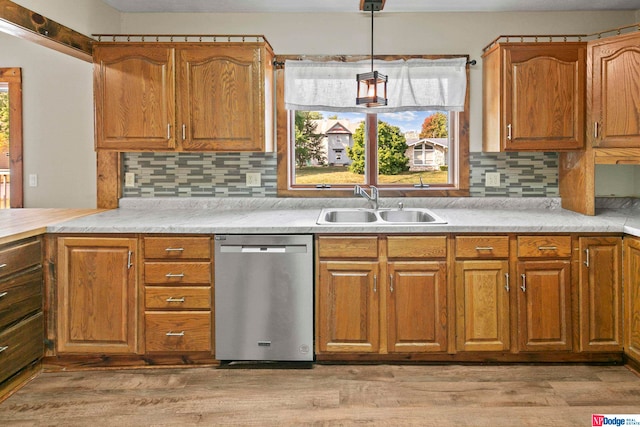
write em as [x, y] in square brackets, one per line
[223, 174]
[521, 174]
[200, 174]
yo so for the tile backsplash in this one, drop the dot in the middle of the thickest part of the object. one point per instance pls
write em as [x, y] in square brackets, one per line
[224, 174]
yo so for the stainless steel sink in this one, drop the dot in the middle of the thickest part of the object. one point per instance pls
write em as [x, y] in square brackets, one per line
[349, 216]
[356, 216]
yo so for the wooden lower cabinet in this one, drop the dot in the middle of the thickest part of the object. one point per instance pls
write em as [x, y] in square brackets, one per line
[417, 307]
[97, 295]
[482, 305]
[348, 313]
[544, 305]
[600, 293]
[632, 298]
[365, 305]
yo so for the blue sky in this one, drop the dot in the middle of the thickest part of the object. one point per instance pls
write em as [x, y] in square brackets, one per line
[406, 120]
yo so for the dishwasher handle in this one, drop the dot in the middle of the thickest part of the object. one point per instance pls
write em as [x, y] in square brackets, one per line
[264, 249]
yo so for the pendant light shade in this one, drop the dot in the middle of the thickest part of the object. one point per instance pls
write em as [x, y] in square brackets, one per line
[372, 86]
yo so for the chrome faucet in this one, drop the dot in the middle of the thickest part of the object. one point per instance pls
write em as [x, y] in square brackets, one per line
[373, 199]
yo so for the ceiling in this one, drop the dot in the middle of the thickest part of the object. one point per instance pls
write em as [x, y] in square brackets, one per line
[307, 6]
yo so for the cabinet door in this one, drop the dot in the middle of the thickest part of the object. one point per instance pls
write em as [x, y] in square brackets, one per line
[632, 298]
[614, 88]
[600, 294]
[544, 305]
[134, 97]
[348, 304]
[417, 307]
[219, 93]
[544, 96]
[97, 295]
[482, 305]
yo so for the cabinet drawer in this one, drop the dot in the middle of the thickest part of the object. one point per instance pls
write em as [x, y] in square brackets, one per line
[178, 297]
[482, 247]
[21, 345]
[544, 246]
[177, 272]
[416, 246]
[20, 296]
[184, 331]
[177, 247]
[16, 257]
[348, 247]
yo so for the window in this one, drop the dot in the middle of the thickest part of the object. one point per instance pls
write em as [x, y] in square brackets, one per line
[388, 149]
[11, 191]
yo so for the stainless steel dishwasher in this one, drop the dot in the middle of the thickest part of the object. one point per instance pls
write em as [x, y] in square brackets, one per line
[264, 297]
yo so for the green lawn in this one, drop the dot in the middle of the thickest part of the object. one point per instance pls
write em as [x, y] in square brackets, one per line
[341, 175]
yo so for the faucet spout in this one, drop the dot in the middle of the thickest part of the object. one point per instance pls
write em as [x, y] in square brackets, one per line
[372, 199]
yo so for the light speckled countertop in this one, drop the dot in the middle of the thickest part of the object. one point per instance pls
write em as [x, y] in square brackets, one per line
[289, 216]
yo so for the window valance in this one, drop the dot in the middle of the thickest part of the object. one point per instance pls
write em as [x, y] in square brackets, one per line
[414, 85]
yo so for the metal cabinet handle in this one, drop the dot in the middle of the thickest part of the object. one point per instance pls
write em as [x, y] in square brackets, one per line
[172, 299]
[4, 294]
[524, 283]
[506, 281]
[391, 282]
[375, 283]
[547, 248]
[484, 248]
[170, 275]
[168, 130]
[174, 249]
[6, 347]
[595, 130]
[184, 131]
[586, 261]
[129, 263]
[3, 265]
[509, 131]
[175, 334]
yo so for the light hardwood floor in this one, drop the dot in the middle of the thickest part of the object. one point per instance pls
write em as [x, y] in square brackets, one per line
[391, 395]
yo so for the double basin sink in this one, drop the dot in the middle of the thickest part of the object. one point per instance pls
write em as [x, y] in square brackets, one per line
[417, 216]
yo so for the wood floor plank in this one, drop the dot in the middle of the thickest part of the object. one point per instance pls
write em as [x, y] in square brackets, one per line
[381, 395]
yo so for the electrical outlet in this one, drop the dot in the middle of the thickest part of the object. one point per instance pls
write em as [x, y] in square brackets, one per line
[253, 179]
[33, 180]
[129, 179]
[492, 179]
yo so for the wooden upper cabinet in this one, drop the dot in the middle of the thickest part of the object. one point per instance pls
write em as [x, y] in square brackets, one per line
[534, 96]
[184, 96]
[134, 95]
[613, 91]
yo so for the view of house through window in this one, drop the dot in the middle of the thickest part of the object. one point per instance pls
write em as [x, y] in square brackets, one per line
[412, 147]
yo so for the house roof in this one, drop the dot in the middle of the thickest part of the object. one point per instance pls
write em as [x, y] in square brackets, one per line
[344, 126]
[442, 142]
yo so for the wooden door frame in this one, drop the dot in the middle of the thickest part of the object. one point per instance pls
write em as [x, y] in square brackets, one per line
[13, 76]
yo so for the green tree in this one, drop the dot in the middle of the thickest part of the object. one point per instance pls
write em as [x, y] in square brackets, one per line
[4, 121]
[392, 146]
[435, 126]
[308, 141]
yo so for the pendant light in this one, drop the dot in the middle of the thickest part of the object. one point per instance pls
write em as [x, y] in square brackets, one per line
[372, 86]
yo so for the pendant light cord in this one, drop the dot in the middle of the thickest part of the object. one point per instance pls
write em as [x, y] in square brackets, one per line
[372, 40]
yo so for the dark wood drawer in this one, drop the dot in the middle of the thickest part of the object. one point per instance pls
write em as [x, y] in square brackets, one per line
[177, 272]
[177, 297]
[416, 246]
[20, 256]
[177, 247]
[20, 296]
[20, 345]
[544, 246]
[482, 247]
[348, 247]
[178, 331]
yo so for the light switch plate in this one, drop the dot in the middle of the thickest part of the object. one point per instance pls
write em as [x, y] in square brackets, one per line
[129, 179]
[253, 179]
[33, 180]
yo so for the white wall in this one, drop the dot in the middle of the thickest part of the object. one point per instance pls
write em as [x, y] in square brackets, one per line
[395, 33]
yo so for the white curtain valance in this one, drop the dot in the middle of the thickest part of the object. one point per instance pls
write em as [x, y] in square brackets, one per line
[414, 85]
